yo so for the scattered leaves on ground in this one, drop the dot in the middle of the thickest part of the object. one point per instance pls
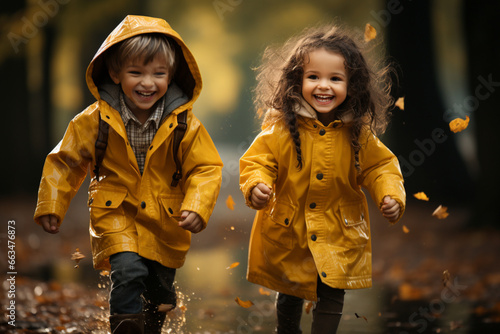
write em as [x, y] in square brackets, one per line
[406, 229]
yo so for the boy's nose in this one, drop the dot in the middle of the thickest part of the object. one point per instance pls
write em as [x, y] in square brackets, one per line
[147, 81]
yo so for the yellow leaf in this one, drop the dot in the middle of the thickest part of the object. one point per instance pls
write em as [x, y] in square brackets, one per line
[309, 306]
[233, 265]
[360, 316]
[440, 212]
[406, 229]
[229, 202]
[370, 32]
[459, 124]
[264, 292]
[245, 304]
[400, 103]
[77, 256]
[421, 196]
[104, 273]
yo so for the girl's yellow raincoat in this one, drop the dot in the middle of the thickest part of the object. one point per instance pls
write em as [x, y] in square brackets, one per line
[130, 211]
[316, 222]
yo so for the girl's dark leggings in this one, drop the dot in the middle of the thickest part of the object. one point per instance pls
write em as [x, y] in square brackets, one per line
[326, 313]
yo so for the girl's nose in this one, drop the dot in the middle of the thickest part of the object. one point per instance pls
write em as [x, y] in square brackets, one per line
[323, 84]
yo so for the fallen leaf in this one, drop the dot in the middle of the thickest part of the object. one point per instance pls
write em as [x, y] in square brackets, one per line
[264, 292]
[459, 124]
[360, 316]
[400, 103]
[406, 229]
[230, 202]
[233, 265]
[421, 196]
[104, 273]
[245, 304]
[440, 212]
[370, 32]
[309, 306]
[77, 257]
[446, 277]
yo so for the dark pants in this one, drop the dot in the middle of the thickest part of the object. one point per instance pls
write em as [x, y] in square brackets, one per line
[138, 283]
[326, 313]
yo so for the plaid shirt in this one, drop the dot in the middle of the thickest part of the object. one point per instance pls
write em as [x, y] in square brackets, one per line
[140, 135]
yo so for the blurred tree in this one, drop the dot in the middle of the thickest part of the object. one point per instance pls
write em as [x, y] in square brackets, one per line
[421, 137]
[484, 84]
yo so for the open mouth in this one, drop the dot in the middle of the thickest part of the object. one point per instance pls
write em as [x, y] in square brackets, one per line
[323, 98]
[145, 94]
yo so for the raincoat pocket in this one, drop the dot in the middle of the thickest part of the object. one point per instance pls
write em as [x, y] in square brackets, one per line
[170, 232]
[355, 224]
[279, 228]
[106, 212]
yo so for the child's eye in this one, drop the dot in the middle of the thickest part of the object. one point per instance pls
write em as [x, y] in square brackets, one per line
[336, 79]
[134, 72]
[312, 77]
[160, 74]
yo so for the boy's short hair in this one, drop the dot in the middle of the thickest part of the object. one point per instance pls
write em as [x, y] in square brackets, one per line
[145, 47]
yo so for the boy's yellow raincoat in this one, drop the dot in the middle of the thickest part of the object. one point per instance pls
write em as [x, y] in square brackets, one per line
[316, 223]
[130, 211]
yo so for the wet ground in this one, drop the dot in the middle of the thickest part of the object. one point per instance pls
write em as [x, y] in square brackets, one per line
[433, 276]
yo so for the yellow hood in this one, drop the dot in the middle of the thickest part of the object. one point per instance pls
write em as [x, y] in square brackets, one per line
[187, 75]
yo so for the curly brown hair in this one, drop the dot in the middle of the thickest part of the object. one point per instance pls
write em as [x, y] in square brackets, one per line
[279, 81]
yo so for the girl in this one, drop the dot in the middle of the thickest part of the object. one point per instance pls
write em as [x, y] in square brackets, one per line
[304, 173]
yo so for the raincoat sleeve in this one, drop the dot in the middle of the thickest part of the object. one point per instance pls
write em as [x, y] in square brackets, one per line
[202, 167]
[259, 164]
[64, 171]
[381, 173]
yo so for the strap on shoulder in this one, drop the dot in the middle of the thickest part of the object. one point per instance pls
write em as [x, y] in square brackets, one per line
[179, 131]
[101, 144]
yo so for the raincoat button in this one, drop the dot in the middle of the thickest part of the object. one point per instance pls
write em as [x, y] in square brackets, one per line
[287, 221]
[319, 176]
[150, 148]
[107, 117]
[91, 201]
[313, 237]
[143, 204]
[323, 274]
[171, 211]
[312, 205]
[315, 126]
[322, 132]
[171, 125]
[108, 203]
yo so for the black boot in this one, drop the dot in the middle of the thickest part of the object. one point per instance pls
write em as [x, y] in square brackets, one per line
[154, 319]
[289, 312]
[127, 323]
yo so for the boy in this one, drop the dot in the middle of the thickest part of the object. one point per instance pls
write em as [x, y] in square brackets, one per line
[141, 217]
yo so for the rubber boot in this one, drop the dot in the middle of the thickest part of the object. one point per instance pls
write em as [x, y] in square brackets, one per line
[153, 319]
[289, 312]
[127, 323]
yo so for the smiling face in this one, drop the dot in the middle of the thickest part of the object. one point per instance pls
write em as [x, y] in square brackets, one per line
[142, 84]
[324, 82]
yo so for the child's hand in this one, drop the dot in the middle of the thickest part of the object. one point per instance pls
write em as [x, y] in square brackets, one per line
[390, 209]
[49, 223]
[260, 196]
[191, 221]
